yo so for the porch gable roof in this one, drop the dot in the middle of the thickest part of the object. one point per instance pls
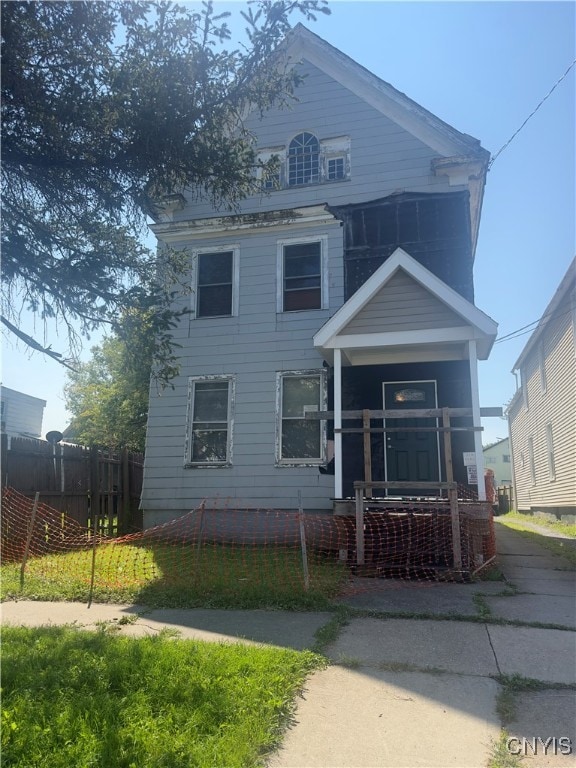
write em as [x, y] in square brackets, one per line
[459, 321]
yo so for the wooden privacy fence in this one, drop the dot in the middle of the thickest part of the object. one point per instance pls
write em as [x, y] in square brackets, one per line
[77, 481]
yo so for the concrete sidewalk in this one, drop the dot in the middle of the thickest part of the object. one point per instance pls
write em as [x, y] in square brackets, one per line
[404, 692]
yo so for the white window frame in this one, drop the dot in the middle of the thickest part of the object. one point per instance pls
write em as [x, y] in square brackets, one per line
[324, 299]
[318, 176]
[542, 365]
[192, 381]
[303, 462]
[235, 250]
[531, 460]
[333, 148]
[550, 452]
[524, 386]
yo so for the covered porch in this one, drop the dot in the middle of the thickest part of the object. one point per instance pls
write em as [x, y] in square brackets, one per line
[404, 351]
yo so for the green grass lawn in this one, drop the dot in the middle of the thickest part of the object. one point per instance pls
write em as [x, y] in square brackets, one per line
[566, 548]
[180, 576]
[72, 698]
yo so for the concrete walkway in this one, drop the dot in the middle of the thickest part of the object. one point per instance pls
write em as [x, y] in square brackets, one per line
[412, 681]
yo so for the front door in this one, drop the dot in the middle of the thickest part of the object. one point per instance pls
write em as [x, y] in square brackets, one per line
[411, 456]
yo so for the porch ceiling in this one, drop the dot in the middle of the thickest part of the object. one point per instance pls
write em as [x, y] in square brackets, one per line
[389, 355]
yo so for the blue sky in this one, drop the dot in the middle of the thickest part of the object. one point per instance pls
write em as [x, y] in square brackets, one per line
[483, 67]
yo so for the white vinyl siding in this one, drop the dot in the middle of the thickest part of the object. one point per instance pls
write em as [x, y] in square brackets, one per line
[532, 460]
[556, 406]
[550, 452]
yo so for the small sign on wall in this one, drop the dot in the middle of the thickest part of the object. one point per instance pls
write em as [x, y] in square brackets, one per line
[472, 471]
[469, 458]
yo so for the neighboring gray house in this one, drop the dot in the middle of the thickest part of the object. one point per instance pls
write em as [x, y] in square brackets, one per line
[347, 284]
[21, 415]
[497, 458]
[542, 414]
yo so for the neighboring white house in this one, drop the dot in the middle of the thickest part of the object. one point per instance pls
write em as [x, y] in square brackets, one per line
[21, 415]
[346, 284]
[497, 458]
[542, 414]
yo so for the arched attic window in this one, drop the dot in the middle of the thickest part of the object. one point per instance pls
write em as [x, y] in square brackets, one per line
[304, 159]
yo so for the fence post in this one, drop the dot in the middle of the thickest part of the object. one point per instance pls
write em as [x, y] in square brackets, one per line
[359, 526]
[94, 482]
[367, 451]
[29, 539]
[200, 515]
[452, 492]
[303, 542]
[4, 458]
[93, 570]
[125, 505]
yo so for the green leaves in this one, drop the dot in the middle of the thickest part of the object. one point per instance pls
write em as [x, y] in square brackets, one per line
[106, 109]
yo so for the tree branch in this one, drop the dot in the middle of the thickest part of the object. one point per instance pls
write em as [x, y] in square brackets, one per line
[36, 345]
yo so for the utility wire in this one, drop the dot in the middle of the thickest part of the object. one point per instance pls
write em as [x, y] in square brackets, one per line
[556, 84]
[532, 326]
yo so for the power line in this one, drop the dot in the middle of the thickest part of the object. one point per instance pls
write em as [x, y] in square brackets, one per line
[532, 326]
[556, 84]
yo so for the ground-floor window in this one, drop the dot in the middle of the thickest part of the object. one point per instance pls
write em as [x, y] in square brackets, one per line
[209, 428]
[300, 440]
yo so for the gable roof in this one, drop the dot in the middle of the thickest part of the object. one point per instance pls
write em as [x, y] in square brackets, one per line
[484, 327]
[460, 156]
[560, 302]
[301, 43]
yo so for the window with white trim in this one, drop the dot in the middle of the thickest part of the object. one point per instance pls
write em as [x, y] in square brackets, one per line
[550, 452]
[335, 168]
[216, 277]
[524, 386]
[542, 366]
[301, 440]
[303, 159]
[210, 408]
[531, 460]
[302, 275]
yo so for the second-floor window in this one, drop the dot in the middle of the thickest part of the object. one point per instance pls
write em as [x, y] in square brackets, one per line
[215, 277]
[301, 275]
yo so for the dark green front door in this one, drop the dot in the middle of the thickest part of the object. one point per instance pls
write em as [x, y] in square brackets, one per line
[411, 456]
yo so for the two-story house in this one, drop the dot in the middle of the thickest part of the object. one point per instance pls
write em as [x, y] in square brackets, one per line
[347, 284]
[542, 413]
[21, 414]
[497, 458]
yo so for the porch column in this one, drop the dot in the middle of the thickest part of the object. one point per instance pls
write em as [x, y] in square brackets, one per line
[476, 421]
[337, 424]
